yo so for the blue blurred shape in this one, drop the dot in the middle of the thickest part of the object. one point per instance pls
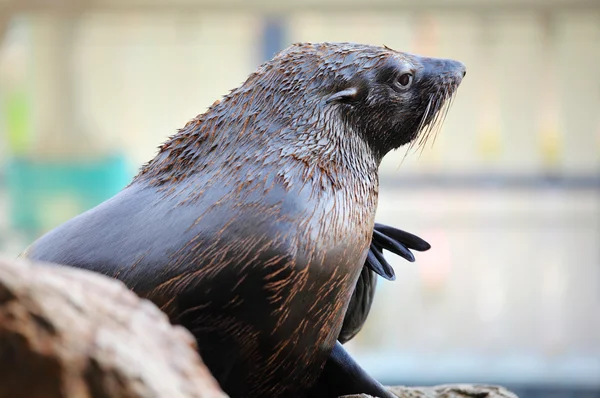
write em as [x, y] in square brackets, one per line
[44, 194]
[273, 36]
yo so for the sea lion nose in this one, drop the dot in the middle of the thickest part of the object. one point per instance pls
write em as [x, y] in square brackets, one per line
[463, 70]
[444, 67]
[457, 67]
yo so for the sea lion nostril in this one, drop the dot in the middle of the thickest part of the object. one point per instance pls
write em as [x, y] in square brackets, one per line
[464, 73]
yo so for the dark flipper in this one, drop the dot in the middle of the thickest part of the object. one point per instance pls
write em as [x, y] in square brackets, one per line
[378, 264]
[359, 306]
[384, 237]
[343, 376]
[384, 241]
[402, 237]
[396, 241]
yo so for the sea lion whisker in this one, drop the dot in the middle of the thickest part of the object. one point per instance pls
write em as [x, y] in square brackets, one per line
[420, 130]
[443, 102]
[425, 114]
[432, 109]
[443, 113]
[432, 123]
[448, 104]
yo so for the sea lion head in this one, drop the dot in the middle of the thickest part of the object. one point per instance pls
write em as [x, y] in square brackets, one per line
[389, 98]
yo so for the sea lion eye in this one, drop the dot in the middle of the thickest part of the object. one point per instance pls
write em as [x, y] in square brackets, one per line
[405, 80]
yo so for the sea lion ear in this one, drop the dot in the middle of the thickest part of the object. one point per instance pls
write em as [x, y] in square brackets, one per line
[347, 94]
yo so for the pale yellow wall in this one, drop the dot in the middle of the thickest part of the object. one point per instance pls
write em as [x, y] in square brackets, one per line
[137, 77]
[144, 76]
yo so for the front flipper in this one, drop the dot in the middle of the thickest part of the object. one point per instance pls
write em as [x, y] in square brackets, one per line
[396, 241]
[359, 306]
[343, 376]
[384, 237]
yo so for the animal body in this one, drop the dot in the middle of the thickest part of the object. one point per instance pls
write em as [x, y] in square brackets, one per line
[253, 224]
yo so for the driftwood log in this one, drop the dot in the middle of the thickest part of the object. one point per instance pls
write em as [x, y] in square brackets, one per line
[69, 333]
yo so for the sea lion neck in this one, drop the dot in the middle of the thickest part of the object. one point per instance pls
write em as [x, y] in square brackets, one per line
[328, 110]
[257, 125]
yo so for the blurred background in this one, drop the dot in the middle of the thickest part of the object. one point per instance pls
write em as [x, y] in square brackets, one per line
[508, 196]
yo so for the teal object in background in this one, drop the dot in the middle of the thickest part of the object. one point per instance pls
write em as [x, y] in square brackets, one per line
[44, 194]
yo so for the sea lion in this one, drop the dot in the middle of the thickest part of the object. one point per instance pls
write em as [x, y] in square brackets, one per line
[252, 224]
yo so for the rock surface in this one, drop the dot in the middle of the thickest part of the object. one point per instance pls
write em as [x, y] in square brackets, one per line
[70, 333]
[447, 391]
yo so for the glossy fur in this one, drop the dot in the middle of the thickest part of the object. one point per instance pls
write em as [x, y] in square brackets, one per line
[252, 225]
